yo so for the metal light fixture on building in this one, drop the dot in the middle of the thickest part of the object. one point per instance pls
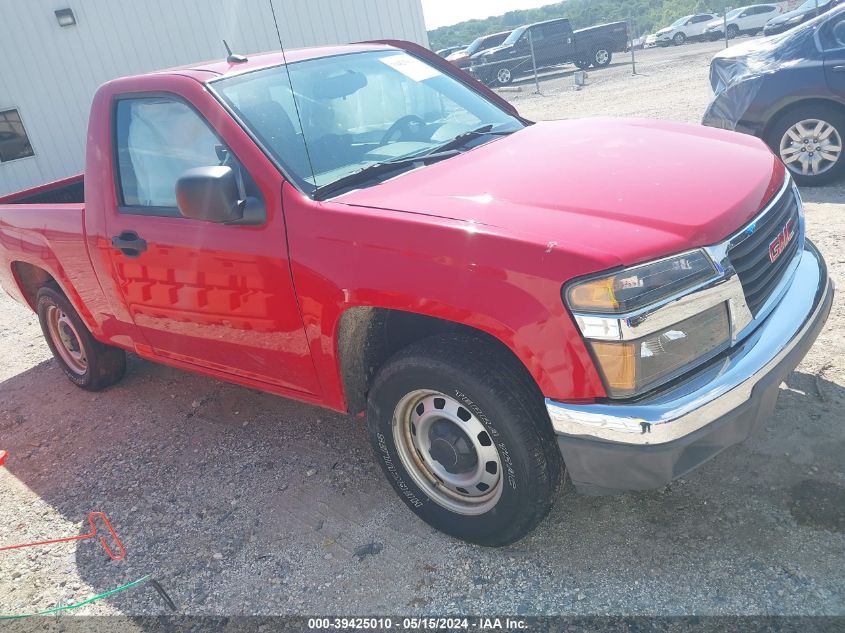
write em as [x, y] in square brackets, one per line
[65, 17]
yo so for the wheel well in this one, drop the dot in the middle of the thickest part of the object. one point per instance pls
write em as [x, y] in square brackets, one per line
[367, 337]
[30, 279]
[774, 118]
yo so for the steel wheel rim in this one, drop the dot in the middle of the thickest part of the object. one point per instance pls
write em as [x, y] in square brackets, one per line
[602, 57]
[811, 147]
[504, 75]
[434, 435]
[66, 340]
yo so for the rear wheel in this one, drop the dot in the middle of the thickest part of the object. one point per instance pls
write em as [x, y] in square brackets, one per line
[601, 57]
[679, 38]
[87, 362]
[809, 141]
[462, 436]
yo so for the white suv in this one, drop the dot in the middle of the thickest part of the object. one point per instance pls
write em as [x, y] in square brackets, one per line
[748, 20]
[689, 27]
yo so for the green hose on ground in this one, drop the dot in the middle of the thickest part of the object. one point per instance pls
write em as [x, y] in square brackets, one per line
[78, 604]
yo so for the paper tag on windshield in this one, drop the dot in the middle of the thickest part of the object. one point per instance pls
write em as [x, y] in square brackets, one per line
[411, 67]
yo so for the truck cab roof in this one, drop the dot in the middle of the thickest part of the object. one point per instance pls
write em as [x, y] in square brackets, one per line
[213, 69]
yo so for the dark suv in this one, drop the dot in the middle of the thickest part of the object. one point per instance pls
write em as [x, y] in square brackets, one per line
[791, 19]
[554, 43]
[789, 90]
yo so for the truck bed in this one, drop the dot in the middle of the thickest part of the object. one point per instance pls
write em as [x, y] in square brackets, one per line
[43, 229]
[615, 32]
[67, 190]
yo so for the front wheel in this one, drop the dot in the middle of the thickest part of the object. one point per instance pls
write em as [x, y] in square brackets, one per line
[87, 362]
[503, 77]
[733, 31]
[601, 57]
[462, 436]
[679, 39]
[809, 142]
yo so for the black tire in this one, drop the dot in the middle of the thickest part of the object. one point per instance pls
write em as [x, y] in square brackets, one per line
[733, 31]
[601, 57]
[502, 397]
[831, 115]
[104, 364]
[583, 64]
[679, 38]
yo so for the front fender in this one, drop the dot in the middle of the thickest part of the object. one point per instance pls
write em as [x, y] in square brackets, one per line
[448, 269]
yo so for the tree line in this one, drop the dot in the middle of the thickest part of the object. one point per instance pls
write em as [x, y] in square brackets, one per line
[645, 16]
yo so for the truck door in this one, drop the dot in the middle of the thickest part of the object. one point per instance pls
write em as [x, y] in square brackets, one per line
[211, 295]
[558, 42]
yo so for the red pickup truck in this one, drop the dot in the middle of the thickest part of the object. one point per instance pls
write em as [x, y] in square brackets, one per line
[369, 229]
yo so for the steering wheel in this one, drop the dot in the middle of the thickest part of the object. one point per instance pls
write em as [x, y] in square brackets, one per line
[407, 126]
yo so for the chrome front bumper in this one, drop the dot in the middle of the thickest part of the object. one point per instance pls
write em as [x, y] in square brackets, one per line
[715, 395]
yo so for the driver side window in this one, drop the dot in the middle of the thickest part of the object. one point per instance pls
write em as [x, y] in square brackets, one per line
[157, 140]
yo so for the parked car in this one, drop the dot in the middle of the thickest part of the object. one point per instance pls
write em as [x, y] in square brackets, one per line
[638, 43]
[689, 27]
[743, 21]
[463, 58]
[445, 52]
[467, 278]
[554, 43]
[791, 19]
[789, 91]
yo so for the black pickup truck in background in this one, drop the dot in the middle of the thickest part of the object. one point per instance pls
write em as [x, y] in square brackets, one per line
[554, 43]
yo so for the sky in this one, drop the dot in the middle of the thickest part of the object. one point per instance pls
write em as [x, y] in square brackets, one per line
[447, 12]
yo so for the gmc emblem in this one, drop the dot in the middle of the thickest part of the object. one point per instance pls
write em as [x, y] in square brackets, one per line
[778, 245]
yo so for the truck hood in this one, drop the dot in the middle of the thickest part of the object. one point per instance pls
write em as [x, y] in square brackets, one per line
[619, 191]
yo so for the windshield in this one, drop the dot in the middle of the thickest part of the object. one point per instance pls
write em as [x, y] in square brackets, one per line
[514, 36]
[679, 22]
[355, 110]
[811, 4]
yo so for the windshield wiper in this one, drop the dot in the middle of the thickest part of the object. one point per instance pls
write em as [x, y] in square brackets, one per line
[461, 139]
[366, 173]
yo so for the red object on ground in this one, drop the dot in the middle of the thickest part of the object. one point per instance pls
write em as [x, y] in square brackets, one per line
[3, 455]
[91, 518]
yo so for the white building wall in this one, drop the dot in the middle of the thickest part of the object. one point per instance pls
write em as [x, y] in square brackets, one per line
[50, 73]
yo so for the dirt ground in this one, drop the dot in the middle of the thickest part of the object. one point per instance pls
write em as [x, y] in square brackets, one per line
[242, 503]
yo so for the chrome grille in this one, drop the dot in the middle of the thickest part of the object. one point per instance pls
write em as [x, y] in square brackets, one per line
[750, 255]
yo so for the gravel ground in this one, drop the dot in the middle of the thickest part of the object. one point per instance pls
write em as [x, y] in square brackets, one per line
[242, 503]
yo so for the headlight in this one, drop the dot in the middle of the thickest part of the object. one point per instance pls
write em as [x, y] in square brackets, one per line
[639, 286]
[632, 367]
[648, 324]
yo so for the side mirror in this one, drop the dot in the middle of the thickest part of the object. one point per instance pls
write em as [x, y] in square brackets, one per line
[211, 194]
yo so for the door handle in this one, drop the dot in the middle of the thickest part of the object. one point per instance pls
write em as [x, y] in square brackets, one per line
[839, 69]
[129, 243]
